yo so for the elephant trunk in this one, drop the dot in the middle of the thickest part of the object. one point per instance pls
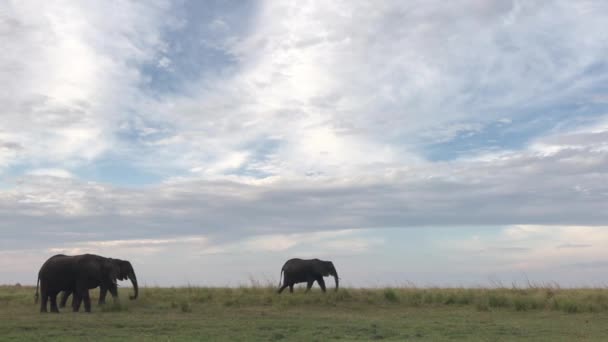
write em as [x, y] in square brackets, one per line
[133, 279]
[336, 279]
[36, 295]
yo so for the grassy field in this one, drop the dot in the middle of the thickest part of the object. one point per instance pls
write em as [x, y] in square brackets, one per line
[258, 313]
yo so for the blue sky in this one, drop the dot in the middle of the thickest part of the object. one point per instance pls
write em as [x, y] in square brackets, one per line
[410, 142]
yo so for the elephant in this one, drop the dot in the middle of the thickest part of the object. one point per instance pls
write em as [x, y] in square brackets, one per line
[299, 271]
[126, 272]
[77, 274]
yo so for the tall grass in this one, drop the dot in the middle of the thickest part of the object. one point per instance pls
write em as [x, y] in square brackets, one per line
[518, 299]
[188, 299]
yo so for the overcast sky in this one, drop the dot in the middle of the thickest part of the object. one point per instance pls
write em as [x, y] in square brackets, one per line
[426, 142]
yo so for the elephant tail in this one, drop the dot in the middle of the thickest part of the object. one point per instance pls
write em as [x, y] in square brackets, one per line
[36, 295]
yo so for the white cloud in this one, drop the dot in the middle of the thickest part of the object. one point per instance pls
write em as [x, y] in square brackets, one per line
[538, 248]
[338, 242]
[51, 172]
[526, 187]
[164, 63]
[131, 246]
[317, 121]
[335, 241]
[351, 87]
[70, 76]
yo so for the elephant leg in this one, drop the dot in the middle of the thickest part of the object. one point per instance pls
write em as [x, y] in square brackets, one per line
[43, 298]
[53, 298]
[87, 301]
[282, 288]
[76, 299]
[114, 292]
[64, 298]
[291, 288]
[102, 295]
[321, 283]
[309, 284]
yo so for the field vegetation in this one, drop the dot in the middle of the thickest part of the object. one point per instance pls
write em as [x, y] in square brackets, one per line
[257, 313]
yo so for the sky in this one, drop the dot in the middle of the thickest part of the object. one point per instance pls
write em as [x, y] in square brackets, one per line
[427, 143]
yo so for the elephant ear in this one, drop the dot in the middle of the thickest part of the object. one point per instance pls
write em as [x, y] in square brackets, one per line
[322, 268]
[329, 268]
[110, 271]
[125, 269]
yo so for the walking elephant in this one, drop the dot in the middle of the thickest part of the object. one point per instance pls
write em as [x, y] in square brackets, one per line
[126, 271]
[299, 271]
[77, 274]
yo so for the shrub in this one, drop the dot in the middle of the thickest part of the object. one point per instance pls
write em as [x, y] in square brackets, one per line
[521, 304]
[343, 295]
[391, 296]
[570, 307]
[497, 300]
[482, 305]
[185, 307]
[114, 307]
[414, 298]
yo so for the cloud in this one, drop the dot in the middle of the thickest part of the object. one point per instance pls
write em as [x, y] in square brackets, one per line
[531, 188]
[573, 245]
[351, 87]
[130, 246]
[315, 89]
[265, 126]
[68, 69]
[337, 241]
[51, 172]
[540, 248]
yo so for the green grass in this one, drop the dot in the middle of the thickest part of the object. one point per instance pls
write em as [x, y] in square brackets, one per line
[258, 313]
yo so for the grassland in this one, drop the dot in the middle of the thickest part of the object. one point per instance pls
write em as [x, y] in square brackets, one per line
[258, 313]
